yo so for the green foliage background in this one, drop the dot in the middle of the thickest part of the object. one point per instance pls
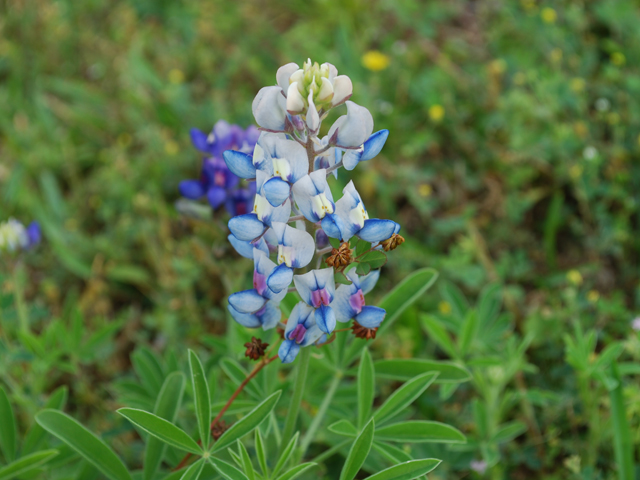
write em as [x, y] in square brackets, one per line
[530, 180]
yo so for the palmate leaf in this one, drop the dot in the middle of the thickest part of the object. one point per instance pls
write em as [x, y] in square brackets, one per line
[194, 471]
[202, 397]
[407, 471]
[245, 461]
[26, 463]
[358, 452]
[8, 430]
[161, 429]
[250, 421]
[260, 453]
[88, 445]
[420, 431]
[166, 407]
[404, 396]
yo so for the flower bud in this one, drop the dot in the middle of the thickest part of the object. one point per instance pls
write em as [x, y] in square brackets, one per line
[295, 101]
[342, 90]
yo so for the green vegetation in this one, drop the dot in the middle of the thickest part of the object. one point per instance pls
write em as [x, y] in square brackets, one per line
[513, 166]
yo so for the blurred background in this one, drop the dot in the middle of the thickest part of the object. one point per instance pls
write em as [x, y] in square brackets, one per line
[513, 161]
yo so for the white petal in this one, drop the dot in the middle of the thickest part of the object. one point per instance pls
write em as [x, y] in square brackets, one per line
[342, 90]
[269, 108]
[295, 101]
[352, 129]
[284, 73]
[313, 119]
[326, 90]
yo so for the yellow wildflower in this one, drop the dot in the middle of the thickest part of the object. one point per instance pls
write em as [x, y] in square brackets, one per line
[171, 147]
[574, 277]
[444, 307]
[425, 190]
[593, 296]
[436, 112]
[577, 84]
[549, 15]
[176, 76]
[618, 59]
[575, 171]
[375, 60]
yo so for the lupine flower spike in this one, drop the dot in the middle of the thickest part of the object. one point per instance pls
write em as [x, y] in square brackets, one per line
[15, 237]
[217, 183]
[294, 215]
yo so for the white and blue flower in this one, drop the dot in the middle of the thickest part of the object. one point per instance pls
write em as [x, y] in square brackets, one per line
[301, 331]
[317, 288]
[349, 303]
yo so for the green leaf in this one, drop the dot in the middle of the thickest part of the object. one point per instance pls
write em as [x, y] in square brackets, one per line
[404, 396]
[366, 390]
[26, 463]
[260, 452]
[405, 293]
[296, 471]
[238, 375]
[358, 452]
[250, 421]
[407, 471]
[334, 242]
[439, 334]
[374, 258]
[246, 461]
[489, 304]
[286, 454]
[391, 452]
[509, 431]
[401, 369]
[363, 269]
[149, 370]
[194, 471]
[341, 279]
[36, 434]
[454, 297]
[227, 470]
[420, 431]
[362, 247]
[202, 398]
[8, 431]
[343, 427]
[468, 332]
[167, 405]
[162, 429]
[92, 448]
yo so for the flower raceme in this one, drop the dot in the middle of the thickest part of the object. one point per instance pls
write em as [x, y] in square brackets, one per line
[294, 214]
[217, 183]
[15, 237]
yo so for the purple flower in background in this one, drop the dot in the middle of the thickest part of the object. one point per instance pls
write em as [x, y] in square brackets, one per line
[14, 236]
[479, 466]
[217, 183]
[635, 324]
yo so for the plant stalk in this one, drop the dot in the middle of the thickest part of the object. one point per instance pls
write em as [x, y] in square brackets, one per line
[298, 392]
[317, 420]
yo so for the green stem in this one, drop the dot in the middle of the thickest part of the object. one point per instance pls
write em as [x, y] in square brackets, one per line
[317, 420]
[296, 400]
[331, 451]
[622, 442]
[19, 297]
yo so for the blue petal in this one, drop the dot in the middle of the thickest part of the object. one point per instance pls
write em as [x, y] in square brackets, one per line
[280, 278]
[332, 226]
[191, 189]
[246, 227]
[288, 351]
[370, 317]
[245, 248]
[216, 196]
[276, 191]
[373, 146]
[369, 281]
[325, 319]
[249, 320]
[199, 140]
[240, 163]
[34, 233]
[341, 305]
[376, 230]
[270, 315]
[247, 301]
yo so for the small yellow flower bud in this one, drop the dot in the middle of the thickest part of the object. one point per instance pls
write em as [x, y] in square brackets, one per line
[436, 112]
[375, 60]
[176, 76]
[171, 147]
[618, 59]
[593, 296]
[444, 307]
[549, 15]
[574, 277]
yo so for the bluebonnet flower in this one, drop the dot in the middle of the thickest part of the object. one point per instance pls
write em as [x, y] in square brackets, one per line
[14, 236]
[351, 218]
[291, 165]
[219, 185]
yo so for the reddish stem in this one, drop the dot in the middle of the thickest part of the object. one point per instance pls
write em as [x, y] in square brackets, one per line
[244, 383]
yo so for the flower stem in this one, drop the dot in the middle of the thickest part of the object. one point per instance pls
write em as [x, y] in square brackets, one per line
[296, 400]
[19, 298]
[317, 420]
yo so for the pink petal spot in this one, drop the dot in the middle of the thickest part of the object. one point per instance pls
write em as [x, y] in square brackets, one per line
[357, 301]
